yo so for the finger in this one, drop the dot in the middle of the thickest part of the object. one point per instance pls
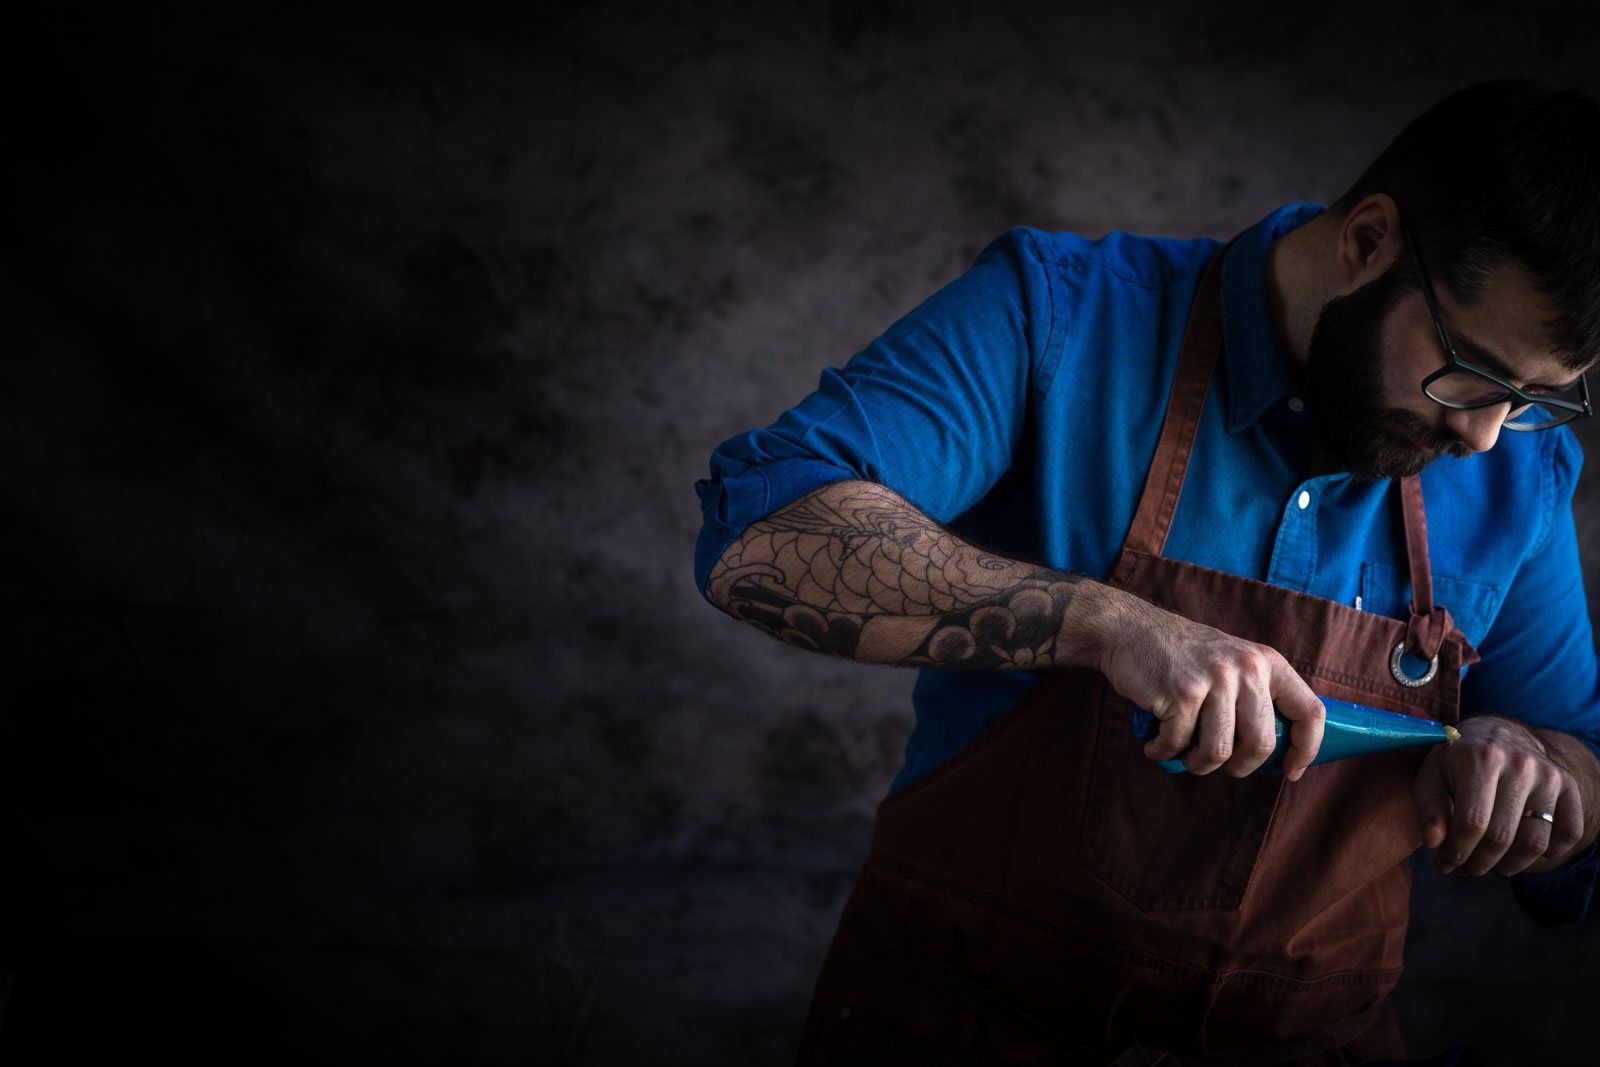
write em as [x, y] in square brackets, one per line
[1474, 797]
[1176, 734]
[1432, 793]
[1534, 835]
[1506, 823]
[1254, 736]
[1215, 743]
[1297, 703]
[1567, 831]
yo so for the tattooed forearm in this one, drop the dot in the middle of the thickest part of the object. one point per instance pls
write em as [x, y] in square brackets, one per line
[854, 570]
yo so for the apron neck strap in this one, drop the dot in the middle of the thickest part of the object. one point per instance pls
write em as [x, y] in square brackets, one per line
[1429, 624]
[1416, 520]
[1197, 355]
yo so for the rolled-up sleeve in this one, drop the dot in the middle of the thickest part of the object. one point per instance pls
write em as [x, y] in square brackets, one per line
[932, 409]
[1539, 666]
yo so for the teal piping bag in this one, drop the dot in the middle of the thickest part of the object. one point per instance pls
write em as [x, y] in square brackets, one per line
[1351, 730]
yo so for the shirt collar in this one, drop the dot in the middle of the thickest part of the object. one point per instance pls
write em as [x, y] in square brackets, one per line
[1255, 369]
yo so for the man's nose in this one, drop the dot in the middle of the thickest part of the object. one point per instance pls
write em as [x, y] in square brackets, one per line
[1478, 428]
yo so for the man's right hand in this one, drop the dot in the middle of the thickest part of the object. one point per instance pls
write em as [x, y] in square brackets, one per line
[1214, 693]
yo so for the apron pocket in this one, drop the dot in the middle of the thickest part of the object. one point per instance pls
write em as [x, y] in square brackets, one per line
[1169, 842]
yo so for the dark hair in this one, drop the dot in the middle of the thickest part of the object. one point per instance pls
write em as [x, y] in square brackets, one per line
[1504, 170]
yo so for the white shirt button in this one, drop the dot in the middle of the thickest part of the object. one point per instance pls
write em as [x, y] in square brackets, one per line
[1296, 405]
[1305, 500]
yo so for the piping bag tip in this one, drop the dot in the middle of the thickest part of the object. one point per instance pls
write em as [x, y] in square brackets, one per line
[1451, 735]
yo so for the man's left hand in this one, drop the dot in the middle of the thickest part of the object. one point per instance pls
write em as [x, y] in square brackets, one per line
[1474, 795]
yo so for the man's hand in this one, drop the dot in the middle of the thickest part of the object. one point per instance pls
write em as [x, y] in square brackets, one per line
[1473, 796]
[1214, 693]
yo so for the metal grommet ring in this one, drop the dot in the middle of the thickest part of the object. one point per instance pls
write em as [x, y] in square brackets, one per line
[1405, 679]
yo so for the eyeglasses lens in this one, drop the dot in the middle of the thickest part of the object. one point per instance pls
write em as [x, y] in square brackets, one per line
[1467, 390]
[1535, 417]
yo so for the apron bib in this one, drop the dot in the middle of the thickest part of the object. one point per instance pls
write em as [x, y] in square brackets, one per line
[1051, 896]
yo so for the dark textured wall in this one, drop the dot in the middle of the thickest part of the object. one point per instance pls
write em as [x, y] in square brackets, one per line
[355, 383]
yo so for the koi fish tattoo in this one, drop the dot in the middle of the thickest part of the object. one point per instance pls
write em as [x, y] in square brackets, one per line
[854, 570]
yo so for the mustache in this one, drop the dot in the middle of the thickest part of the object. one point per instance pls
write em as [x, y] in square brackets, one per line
[1432, 439]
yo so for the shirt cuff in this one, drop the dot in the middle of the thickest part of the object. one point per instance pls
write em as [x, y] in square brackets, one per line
[1593, 745]
[729, 504]
[1561, 896]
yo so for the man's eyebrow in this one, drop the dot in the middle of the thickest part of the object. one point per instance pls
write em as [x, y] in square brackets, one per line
[1491, 362]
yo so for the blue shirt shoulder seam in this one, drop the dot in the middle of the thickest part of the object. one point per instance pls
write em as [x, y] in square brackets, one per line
[1078, 261]
[1050, 362]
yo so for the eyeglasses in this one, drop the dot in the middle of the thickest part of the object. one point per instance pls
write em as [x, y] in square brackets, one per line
[1465, 386]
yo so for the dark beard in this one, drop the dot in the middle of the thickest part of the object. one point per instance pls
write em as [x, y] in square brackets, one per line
[1344, 368]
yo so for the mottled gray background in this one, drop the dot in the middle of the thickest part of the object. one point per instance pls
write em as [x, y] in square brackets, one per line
[355, 379]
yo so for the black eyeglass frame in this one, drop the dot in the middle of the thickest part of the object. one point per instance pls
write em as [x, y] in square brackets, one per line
[1564, 411]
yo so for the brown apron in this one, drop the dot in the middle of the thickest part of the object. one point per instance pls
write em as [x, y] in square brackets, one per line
[1051, 896]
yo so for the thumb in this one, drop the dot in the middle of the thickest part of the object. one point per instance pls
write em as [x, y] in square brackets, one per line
[1296, 702]
[1434, 803]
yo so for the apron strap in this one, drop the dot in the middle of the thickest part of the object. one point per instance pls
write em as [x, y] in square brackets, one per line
[1429, 625]
[1197, 355]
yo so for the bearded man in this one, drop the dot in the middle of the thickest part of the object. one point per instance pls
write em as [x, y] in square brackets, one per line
[1217, 482]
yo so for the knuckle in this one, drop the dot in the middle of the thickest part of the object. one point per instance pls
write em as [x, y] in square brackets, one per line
[1501, 837]
[1260, 746]
[1174, 713]
[1475, 821]
[1522, 763]
[1175, 718]
[1487, 760]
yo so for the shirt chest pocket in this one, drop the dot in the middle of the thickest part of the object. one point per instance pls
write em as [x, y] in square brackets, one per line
[1386, 590]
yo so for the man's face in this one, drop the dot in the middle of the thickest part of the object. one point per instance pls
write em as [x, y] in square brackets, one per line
[1371, 349]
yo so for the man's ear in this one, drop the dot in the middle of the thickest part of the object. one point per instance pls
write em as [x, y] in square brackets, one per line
[1369, 240]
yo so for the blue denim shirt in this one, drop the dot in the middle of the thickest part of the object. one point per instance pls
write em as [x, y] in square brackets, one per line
[1020, 406]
